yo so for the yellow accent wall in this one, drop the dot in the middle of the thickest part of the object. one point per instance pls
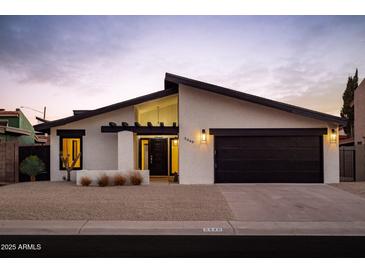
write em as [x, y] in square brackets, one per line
[142, 153]
[174, 157]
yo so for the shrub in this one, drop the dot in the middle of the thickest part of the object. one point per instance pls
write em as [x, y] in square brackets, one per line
[32, 166]
[103, 180]
[85, 181]
[136, 178]
[119, 179]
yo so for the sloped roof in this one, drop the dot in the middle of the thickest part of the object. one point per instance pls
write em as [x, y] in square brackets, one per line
[171, 87]
[172, 80]
[86, 114]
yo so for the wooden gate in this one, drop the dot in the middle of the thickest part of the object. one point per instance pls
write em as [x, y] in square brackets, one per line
[9, 168]
[347, 164]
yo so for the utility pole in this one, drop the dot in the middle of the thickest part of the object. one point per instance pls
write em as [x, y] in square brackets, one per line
[43, 112]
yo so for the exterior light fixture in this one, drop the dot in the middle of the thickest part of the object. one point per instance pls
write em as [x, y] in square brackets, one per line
[203, 137]
[333, 136]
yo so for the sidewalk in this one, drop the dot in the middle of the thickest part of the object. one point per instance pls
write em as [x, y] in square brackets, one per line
[85, 227]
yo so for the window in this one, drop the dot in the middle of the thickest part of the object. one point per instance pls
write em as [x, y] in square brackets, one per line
[4, 123]
[71, 147]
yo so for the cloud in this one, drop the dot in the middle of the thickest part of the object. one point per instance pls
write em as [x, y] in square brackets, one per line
[62, 50]
[287, 58]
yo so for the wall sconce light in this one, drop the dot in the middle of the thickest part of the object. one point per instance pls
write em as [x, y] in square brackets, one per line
[175, 142]
[333, 136]
[203, 137]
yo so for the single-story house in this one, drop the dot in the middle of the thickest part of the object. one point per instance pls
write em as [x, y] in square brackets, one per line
[206, 133]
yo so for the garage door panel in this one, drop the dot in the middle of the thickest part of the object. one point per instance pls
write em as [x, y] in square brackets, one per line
[273, 154]
[264, 165]
[261, 177]
[268, 159]
[268, 141]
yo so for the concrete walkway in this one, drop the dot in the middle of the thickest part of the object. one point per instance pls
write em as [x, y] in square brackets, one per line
[32, 227]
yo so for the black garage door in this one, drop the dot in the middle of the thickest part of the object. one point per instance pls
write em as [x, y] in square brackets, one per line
[268, 159]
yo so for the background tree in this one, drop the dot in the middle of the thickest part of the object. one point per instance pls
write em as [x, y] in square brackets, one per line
[347, 110]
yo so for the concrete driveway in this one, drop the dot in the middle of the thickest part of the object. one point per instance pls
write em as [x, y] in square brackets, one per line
[293, 209]
[293, 203]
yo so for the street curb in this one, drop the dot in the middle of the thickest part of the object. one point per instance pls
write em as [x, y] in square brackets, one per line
[88, 227]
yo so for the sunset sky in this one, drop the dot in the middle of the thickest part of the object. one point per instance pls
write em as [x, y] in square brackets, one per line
[86, 62]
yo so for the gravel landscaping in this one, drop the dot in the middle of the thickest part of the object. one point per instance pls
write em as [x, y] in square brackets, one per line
[65, 201]
[357, 188]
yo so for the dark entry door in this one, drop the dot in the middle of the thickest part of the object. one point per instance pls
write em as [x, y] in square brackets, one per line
[158, 157]
[268, 159]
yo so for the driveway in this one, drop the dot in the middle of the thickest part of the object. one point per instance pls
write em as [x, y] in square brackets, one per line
[294, 209]
[293, 203]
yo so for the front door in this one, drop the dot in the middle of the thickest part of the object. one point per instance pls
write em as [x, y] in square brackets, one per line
[158, 157]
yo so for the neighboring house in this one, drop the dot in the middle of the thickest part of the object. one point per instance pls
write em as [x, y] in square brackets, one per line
[353, 147]
[14, 126]
[359, 114]
[205, 133]
[18, 140]
[359, 131]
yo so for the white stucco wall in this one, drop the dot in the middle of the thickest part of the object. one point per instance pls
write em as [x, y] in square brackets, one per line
[99, 150]
[126, 150]
[200, 109]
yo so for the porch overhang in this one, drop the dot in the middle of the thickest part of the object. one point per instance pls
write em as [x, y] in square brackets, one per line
[143, 130]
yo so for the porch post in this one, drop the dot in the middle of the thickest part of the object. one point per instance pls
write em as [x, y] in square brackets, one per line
[125, 150]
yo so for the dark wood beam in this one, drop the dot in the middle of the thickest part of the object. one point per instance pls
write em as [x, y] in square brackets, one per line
[142, 130]
[70, 132]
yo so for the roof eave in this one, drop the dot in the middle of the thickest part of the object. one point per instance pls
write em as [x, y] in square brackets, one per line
[172, 79]
[45, 127]
[15, 131]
